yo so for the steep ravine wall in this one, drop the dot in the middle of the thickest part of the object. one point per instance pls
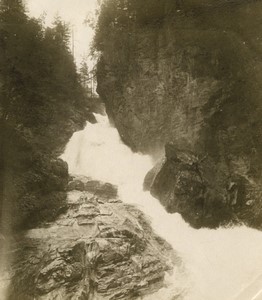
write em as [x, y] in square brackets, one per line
[188, 74]
[42, 103]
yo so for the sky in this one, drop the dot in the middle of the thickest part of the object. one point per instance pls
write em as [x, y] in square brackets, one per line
[73, 11]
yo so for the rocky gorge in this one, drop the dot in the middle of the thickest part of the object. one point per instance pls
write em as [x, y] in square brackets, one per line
[153, 199]
[61, 237]
[185, 76]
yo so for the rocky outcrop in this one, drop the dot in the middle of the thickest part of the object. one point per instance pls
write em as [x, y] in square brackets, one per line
[189, 73]
[203, 194]
[100, 248]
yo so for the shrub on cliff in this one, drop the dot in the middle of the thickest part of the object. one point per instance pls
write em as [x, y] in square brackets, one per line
[42, 103]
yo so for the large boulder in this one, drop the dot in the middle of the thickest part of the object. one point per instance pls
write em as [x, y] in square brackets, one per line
[204, 194]
[100, 248]
[101, 189]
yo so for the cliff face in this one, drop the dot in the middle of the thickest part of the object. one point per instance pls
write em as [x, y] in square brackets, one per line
[189, 73]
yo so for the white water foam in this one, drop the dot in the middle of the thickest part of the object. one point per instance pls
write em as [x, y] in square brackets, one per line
[222, 264]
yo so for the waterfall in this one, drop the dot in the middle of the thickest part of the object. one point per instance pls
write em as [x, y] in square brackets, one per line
[221, 264]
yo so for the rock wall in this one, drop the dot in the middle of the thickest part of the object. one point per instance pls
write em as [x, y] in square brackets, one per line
[189, 73]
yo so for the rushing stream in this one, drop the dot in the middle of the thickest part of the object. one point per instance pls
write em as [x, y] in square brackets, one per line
[222, 264]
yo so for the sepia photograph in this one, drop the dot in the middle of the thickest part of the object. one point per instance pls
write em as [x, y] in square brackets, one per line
[130, 149]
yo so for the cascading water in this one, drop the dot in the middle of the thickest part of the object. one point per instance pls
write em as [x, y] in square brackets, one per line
[222, 264]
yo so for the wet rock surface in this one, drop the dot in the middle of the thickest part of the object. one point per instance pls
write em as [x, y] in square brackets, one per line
[100, 248]
[203, 194]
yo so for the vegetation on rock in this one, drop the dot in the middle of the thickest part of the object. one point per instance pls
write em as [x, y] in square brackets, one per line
[42, 104]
